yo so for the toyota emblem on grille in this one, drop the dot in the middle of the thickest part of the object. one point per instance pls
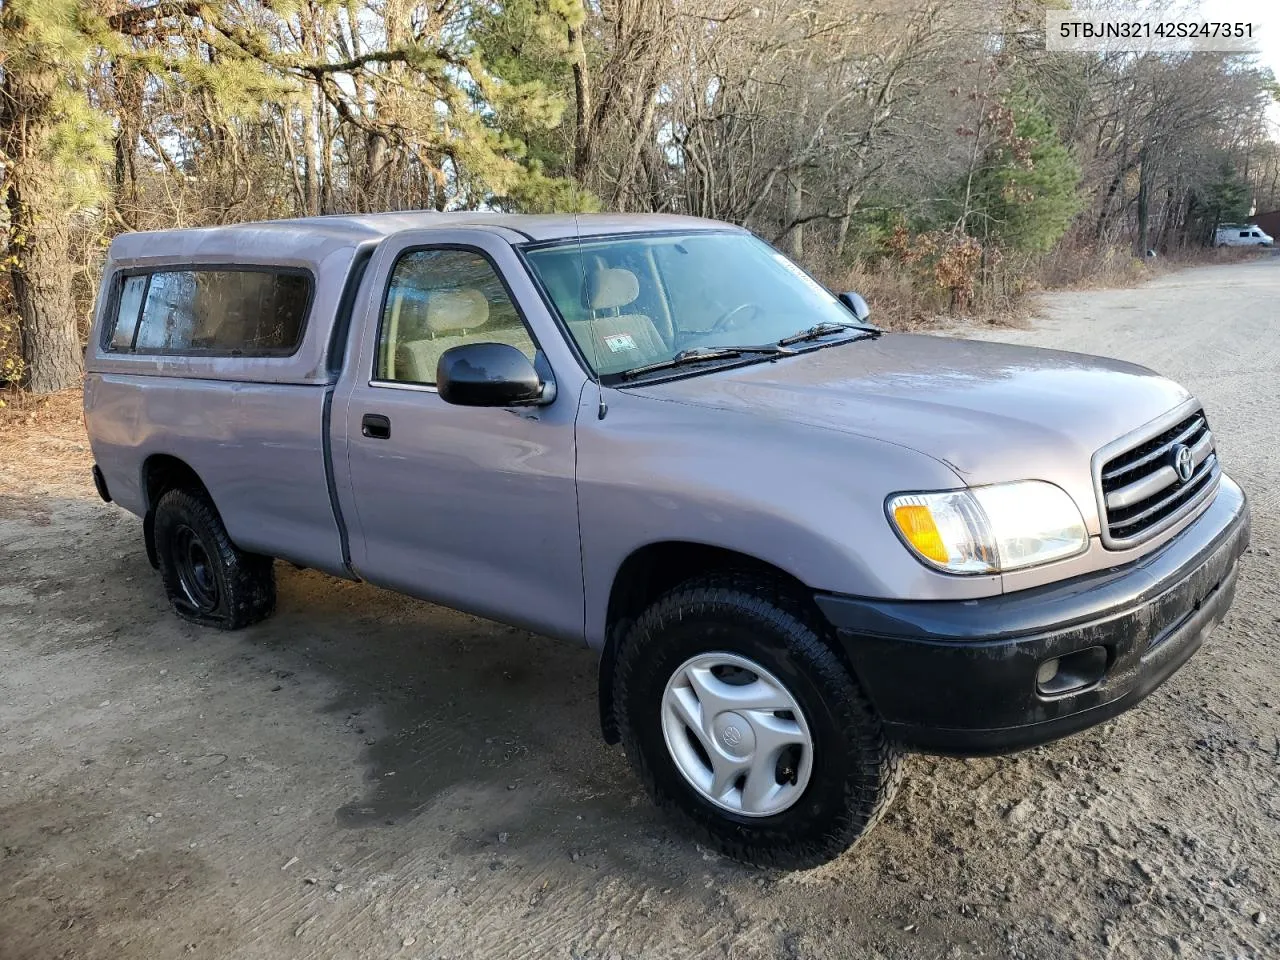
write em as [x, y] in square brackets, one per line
[1183, 463]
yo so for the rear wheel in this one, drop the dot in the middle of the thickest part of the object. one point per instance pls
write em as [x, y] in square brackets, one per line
[208, 579]
[740, 718]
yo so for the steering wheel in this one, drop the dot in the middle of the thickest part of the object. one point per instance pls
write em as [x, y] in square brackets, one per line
[731, 317]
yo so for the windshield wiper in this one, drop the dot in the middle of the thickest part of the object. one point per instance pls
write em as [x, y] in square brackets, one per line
[702, 354]
[824, 329]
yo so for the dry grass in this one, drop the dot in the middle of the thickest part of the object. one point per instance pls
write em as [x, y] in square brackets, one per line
[898, 303]
[901, 302]
[1095, 268]
[1118, 268]
[43, 443]
[1087, 267]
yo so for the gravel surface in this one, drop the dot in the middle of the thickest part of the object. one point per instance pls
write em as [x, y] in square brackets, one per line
[369, 776]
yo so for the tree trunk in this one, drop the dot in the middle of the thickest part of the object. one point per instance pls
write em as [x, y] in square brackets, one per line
[1144, 200]
[631, 165]
[42, 290]
[582, 147]
[851, 200]
[975, 155]
[39, 228]
[308, 106]
[1107, 198]
[795, 204]
[328, 192]
[310, 146]
[129, 95]
[1168, 213]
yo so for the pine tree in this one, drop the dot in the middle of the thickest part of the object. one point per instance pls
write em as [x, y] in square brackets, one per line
[410, 95]
[1027, 190]
[1226, 199]
[528, 44]
[52, 146]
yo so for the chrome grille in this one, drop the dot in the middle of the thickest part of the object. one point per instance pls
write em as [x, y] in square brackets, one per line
[1141, 488]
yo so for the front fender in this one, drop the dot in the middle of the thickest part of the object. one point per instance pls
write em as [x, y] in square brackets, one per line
[806, 500]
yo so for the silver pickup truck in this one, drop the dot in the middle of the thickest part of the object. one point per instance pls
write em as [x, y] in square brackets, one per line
[801, 545]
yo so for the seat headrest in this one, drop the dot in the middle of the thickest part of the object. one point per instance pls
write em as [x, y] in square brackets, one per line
[452, 311]
[612, 287]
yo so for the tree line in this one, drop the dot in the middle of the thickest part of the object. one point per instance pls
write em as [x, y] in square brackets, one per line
[939, 143]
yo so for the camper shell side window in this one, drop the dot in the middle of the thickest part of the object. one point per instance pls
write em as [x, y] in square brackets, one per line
[219, 310]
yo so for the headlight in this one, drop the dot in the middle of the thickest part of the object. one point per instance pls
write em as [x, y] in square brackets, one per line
[1006, 526]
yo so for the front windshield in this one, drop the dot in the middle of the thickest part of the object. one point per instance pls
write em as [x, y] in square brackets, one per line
[642, 299]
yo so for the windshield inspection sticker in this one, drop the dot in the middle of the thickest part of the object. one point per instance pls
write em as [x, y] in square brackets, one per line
[619, 342]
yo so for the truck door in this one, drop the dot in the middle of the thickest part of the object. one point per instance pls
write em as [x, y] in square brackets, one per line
[471, 507]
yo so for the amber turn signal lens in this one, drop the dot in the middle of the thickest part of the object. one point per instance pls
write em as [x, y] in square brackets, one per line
[988, 529]
[916, 523]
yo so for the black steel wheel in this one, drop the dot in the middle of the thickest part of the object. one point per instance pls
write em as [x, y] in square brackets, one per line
[208, 579]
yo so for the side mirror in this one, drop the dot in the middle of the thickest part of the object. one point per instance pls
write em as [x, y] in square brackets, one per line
[857, 306]
[489, 375]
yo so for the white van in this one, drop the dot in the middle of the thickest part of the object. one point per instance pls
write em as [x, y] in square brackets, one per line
[1244, 235]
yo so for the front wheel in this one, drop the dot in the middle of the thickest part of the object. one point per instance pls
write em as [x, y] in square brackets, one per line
[208, 579]
[743, 721]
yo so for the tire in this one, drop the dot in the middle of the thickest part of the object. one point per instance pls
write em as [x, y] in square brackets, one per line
[853, 769]
[207, 578]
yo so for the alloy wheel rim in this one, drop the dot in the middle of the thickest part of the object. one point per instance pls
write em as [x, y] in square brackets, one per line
[736, 734]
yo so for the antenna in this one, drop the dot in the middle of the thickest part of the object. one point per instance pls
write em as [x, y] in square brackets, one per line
[602, 408]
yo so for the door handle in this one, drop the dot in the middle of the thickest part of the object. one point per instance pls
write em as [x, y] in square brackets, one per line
[376, 426]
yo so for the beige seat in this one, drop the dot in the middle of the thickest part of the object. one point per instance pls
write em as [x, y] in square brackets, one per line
[426, 330]
[619, 341]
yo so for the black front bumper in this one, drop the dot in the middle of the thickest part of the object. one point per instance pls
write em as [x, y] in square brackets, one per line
[960, 677]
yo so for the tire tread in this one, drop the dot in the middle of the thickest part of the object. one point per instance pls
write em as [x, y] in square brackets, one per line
[247, 578]
[769, 605]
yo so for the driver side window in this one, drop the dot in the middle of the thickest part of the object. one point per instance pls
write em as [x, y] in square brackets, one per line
[439, 299]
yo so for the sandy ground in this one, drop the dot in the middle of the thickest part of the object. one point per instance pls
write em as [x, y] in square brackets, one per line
[370, 776]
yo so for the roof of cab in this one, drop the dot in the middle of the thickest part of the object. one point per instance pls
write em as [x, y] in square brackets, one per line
[279, 236]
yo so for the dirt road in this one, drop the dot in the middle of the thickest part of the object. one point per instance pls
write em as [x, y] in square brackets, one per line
[369, 776]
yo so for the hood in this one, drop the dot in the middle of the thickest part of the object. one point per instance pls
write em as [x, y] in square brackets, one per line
[990, 411]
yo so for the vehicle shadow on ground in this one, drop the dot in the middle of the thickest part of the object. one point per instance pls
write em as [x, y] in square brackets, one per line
[485, 729]
[497, 720]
